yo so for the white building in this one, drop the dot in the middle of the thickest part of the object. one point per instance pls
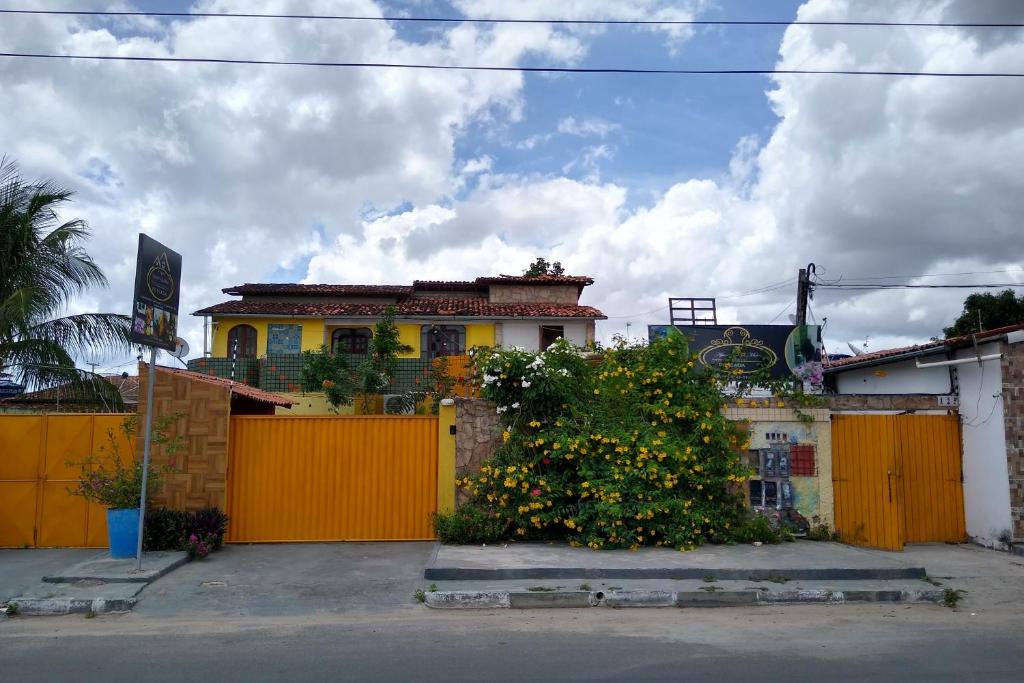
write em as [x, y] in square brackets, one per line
[981, 376]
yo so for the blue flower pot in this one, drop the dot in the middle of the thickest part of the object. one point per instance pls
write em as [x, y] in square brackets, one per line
[123, 531]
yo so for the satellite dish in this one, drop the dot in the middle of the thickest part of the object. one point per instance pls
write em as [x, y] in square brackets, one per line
[856, 351]
[180, 348]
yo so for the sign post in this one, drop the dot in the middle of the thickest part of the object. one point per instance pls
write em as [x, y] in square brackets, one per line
[154, 324]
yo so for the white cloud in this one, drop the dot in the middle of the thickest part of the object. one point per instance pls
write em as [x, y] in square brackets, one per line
[249, 170]
[586, 127]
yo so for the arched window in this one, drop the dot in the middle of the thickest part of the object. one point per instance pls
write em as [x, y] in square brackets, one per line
[242, 341]
[351, 340]
[443, 340]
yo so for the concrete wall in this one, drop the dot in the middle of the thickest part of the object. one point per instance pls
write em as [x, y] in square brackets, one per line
[548, 294]
[526, 335]
[813, 496]
[895, 378]
[986, 487]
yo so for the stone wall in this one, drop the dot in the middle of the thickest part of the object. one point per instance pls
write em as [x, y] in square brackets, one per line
[200, 475]
[898, 402]
[524, 294]
[1013, 419]
[477, 435]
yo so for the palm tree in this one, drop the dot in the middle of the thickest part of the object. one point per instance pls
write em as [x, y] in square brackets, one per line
[43, 266]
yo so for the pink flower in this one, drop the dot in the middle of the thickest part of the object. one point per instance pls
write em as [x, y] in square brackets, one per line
[535, 492]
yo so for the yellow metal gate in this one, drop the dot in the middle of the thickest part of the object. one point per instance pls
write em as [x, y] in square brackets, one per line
[327, 478]
[897, 479]
[36, 509]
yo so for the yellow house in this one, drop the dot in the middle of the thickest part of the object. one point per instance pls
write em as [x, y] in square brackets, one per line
[434, 318]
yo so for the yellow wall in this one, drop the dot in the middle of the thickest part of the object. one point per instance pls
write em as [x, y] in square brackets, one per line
[409, 334]
[312, 333]
[479, 335]
[310, 403]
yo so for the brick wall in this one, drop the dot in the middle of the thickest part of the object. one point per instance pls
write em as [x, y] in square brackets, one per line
[201, 467]
[521, 294]
[1013, 419]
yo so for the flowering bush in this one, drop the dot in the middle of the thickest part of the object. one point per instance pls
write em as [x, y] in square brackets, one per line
[631, 451]
[107, 480]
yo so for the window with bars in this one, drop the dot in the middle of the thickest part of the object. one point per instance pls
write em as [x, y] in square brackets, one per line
[351, 340]
[443, 340]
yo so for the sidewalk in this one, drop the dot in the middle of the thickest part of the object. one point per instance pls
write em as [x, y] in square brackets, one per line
[556, 575]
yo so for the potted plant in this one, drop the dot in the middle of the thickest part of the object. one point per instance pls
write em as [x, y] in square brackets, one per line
[106, 479]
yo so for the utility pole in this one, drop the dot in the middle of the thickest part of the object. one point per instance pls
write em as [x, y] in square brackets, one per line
[803, 293]
[92, 367]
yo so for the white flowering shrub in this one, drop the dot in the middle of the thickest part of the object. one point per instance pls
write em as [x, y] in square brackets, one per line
[546, 381]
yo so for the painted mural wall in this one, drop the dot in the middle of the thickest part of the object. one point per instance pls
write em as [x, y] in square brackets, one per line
[778, 433]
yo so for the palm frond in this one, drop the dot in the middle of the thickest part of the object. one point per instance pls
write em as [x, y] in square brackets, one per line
[86, 333]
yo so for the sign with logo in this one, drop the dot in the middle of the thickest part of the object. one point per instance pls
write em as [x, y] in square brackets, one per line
[157, 287]
[787, 351]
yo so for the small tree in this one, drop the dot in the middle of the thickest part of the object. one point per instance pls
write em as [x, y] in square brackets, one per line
[987, 311]
[327, 372]
[542, 267]
[375, 373]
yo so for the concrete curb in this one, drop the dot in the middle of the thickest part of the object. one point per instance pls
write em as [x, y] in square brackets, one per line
[145, 576]
[659, 598]
[57, 606]
[674, 574]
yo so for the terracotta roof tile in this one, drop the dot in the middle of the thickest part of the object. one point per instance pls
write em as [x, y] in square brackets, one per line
[952, 342]
[317, 290]
[410, 308]
[235, 387]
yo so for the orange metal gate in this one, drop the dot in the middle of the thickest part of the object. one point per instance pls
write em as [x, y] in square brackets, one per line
[36, 509]
[327, 478]
[897, 479]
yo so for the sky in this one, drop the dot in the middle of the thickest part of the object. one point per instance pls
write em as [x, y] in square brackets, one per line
[654, 185]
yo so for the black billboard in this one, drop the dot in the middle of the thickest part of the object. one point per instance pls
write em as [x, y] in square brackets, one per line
[786, 349]
[157, 288]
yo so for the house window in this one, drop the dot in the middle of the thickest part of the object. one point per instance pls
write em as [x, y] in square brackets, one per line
[242, 341]
[351, 340]
[443, 340]
[548, 335]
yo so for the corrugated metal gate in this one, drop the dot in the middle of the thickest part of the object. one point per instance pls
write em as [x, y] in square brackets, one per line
[36, 509]
[897, 479]
[326, 478]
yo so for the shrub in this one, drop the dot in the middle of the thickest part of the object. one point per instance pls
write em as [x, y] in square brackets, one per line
[755, 527]
[633, 451]
[469, 525]
[107, 480]
[199, 532]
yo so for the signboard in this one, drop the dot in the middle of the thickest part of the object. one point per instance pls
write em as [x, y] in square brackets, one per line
[786, 350]
[157, 287]
[284, 339]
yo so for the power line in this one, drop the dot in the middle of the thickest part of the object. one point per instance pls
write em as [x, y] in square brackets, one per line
[909, 286]
[521, 69]
[478, 20]
[856, 279]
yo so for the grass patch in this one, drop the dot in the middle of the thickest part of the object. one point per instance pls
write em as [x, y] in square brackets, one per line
[711, 589]
[541, 589]
[11, 609]
[432, 588]
[614, 588]
[777, 578]
[932, 581]
[708, 579]
[584, 586]
[419, 596]
[951, 597]
[90, 614]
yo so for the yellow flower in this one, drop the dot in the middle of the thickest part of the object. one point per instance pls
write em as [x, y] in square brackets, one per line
[585, 484]
[707, 439]
[570, 523]
[505, 436]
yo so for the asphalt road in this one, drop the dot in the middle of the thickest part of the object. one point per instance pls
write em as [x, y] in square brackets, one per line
[806, 643]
